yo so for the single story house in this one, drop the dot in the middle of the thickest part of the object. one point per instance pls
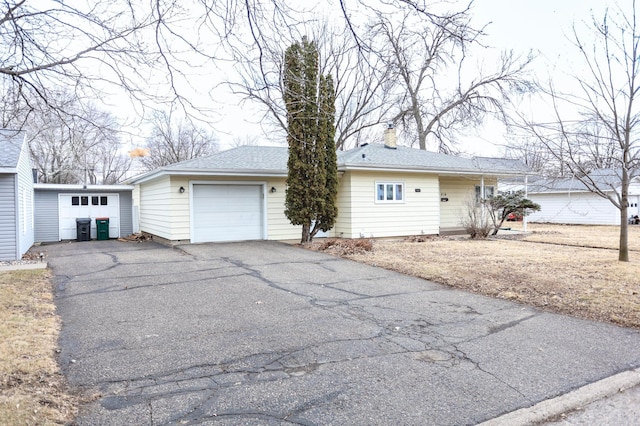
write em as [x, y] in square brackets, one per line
[16, 196]
[57, 206]
[568, 201]
[384, 191]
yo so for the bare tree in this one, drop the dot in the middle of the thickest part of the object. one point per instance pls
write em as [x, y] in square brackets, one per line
[98, 49]
[527, 149]
[361, 81]
[176, 139]
[440, 90]
[596, 124]
[80, 147]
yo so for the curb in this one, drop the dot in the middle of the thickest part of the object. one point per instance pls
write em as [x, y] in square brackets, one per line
[551, 408]
[24, 266]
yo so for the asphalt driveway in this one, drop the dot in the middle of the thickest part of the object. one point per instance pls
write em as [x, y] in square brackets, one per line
[266, 333]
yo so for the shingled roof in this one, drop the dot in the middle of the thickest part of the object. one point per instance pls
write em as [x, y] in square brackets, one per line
[604, 179]
[11, 142]
[272, 161]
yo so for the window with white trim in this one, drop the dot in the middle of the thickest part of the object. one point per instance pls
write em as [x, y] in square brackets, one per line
[489, 192]
[389, 192]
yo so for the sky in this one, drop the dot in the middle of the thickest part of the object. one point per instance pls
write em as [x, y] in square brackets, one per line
[539, 26]
[542, 27]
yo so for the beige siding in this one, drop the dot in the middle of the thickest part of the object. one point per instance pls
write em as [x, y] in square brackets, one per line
[155, 207]
[343, 221]
[278, 226]
[418, 214]
[459, 191]
[180, 208]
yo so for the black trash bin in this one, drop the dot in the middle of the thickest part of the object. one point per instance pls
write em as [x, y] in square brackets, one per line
[83, 229]
[102, 228]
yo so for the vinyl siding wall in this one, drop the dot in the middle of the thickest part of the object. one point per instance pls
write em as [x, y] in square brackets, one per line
[344, 220]
[162, 198]
[47, 219]
[278, 226]
[418, 214]
[25, 203]
[574, 208]
[126, 213]
[156, 207]
[47, 224]
[459, 191]
[8, 213]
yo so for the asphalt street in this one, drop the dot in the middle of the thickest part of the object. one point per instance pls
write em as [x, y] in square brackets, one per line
[267, 333]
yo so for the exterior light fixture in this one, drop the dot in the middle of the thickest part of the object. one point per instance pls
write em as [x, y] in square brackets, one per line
[273, 189]
[181, 189]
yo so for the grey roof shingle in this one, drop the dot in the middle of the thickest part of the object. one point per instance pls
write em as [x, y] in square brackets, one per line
[243, 158]
[605, 179]
[11, 142]
[273, 160]
[378, 155]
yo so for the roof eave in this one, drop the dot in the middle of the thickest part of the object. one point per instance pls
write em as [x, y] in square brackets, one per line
[80, 187]
[418, 169]
[200, 172]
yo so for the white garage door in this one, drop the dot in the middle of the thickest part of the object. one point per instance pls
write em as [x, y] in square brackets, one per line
[227, 213]
[72, 206]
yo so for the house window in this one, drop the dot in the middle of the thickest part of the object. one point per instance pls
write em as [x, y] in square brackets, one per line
[94, 201]
[489, 192]
[389, 192]
[75, 201]
[84, 201]
[103, 201]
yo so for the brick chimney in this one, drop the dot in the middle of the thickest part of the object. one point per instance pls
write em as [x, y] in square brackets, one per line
[390, 137]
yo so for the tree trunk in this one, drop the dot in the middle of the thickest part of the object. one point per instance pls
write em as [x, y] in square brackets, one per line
[623, 254]
[306, 234]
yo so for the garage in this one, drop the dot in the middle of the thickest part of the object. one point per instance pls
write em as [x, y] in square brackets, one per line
[57, 206]
[227, 212]
[74, 206]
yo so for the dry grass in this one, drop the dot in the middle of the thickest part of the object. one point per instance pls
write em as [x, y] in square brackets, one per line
[552, 267]
[32, 389]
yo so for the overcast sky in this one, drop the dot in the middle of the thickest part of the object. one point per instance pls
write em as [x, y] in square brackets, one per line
[540, 26]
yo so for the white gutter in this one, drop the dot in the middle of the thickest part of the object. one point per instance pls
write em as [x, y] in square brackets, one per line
[200, 172]
[80, 187]
[454, 172]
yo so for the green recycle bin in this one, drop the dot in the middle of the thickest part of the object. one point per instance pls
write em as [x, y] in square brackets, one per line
[102, 228]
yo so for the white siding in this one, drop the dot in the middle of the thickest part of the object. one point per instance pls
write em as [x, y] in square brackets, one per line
[418, 214]
[574, 208]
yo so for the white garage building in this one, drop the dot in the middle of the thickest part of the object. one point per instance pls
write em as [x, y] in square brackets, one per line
[58, 206]
[568, 201]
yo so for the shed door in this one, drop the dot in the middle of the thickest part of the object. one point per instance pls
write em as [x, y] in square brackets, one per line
[227, 212]
[72, 206]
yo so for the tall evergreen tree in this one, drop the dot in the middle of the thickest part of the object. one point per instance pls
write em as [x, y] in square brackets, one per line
[312, 180]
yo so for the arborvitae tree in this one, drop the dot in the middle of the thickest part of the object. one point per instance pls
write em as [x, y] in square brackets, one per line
[312, 180]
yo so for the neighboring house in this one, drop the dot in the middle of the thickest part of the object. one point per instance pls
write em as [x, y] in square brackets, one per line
[568, 201]
[384, 191]
[16, 196]
[57, 206]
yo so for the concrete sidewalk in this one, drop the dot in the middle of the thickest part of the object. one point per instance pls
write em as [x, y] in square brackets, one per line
[266, 333]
